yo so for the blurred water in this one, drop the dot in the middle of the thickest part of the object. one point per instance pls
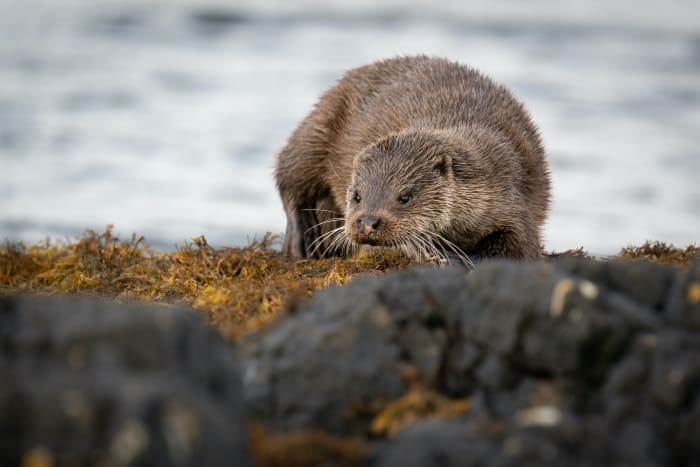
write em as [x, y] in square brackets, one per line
[164, 117]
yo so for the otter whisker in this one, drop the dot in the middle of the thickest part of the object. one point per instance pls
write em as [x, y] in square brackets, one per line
[456, 250]
[322, 210]
[432, 250]
[318, 242]
[340, 242]
[415, 247]
[404, 245]
[422, 248]
[321, 238]
[439, 251]
[464, 258]
[348, 245]
[400, 244]
[428, 248]
[353, 246]
[443, 255]
[335, 219]
[337, 240]
[418, 249]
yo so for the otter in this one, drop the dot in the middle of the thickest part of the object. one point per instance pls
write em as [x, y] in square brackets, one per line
[417, 153]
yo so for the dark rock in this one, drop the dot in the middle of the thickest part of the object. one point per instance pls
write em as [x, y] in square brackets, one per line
[444, 444]
[328, 364]
[646, 283]
[572, 363]
[684, 303]
[91, 383]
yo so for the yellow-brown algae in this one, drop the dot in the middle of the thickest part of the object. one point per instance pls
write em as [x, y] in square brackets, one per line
[37, 457]
[239, 289]
[419, 403]
[693, 295]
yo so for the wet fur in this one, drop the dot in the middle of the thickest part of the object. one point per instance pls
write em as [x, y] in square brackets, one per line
[461, 144]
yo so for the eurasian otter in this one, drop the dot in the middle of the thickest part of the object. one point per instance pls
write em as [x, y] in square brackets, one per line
[417, 153]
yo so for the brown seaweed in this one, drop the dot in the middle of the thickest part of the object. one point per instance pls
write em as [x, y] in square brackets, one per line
[240, 289]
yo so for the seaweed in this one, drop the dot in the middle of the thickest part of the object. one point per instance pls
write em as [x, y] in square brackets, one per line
[419, 403]
[659, 252]
[239, 289]
[304, 448]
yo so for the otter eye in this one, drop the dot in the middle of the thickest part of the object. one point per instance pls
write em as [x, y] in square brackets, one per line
[356, 196]
[405, 198]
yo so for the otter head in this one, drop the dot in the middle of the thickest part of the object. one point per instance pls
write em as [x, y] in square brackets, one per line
[401, 188]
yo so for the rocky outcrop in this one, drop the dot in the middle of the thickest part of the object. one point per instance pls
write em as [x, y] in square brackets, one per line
[94, 383]
[573, 363]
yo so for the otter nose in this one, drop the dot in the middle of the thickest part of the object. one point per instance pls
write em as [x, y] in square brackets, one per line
[369, 224]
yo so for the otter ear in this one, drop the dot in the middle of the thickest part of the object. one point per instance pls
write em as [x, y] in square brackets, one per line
[443, 164]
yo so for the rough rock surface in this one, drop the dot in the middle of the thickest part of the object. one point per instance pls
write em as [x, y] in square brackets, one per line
[573, 363]
[95, 383]
[570, 363]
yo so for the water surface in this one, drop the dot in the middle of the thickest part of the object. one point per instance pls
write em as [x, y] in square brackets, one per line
[164, 118]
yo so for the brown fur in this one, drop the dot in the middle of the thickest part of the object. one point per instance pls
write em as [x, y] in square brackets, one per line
[459, 145]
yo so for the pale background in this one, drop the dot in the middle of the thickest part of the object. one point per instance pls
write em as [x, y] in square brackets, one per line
[164, 117]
